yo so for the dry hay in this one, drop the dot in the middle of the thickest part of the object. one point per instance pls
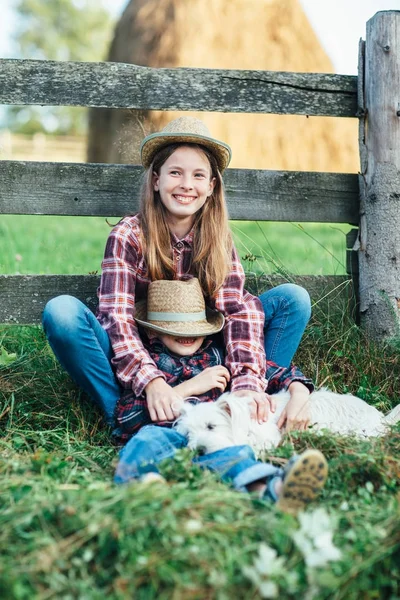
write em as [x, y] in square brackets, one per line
[227, 34]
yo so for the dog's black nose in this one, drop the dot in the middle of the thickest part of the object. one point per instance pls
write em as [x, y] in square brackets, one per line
[201, 450]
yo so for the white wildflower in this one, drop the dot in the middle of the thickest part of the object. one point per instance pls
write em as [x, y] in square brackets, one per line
[314, 538]
[193, 526]
[178, 540]
[268, 589]
[88, 555]
[93, 528]
[268, 561]
[267, 570]
[265, 587]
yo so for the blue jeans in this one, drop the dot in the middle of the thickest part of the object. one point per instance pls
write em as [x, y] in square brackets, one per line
[83, 348]
[152, 444]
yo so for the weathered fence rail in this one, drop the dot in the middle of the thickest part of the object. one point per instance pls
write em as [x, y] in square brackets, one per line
[33, 291]
[120, 85]
[371, 200]
[112, 190]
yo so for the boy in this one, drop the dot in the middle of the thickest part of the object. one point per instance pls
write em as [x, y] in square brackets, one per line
[187, 352]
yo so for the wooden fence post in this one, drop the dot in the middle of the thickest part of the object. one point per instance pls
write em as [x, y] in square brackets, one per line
[379, 249]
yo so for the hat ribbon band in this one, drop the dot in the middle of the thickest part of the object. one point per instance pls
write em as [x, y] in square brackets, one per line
[183, 317]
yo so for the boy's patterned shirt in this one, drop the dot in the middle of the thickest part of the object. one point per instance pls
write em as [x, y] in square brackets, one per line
[125, 280]
[131, 412]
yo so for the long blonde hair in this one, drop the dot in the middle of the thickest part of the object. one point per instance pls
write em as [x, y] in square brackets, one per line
[212, 242]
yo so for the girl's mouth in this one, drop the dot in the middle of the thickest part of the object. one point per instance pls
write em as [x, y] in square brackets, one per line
[184, 199]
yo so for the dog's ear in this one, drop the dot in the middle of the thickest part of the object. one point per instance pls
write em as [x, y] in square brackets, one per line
[223, 403]
[239, 416]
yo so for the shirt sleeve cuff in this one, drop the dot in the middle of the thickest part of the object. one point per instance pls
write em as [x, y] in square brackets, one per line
[143, 377]
[248, 382]
[307, 382]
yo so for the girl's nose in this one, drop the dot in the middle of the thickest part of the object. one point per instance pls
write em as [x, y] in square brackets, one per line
[186, 182]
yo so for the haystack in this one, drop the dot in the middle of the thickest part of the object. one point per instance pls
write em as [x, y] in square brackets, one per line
[227, 34]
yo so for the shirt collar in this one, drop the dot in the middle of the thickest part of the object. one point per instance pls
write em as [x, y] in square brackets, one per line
[188, 239]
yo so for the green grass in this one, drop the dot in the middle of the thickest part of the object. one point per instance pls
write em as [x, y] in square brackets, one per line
[299, 249]
[66, 531]
[52, 245]
[66, 245]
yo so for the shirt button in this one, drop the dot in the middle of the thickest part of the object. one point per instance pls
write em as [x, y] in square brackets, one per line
[178, 258]
[179, 245]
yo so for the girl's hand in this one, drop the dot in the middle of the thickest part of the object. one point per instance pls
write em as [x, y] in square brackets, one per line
[296, 414]
[261, 405]
[210, 378]
[162, 400]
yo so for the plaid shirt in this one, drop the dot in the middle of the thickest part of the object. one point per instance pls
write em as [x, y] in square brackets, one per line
[131, 412]
[125, 280]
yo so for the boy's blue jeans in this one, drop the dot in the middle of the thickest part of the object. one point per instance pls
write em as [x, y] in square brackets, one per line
[83, 348]
[152, 444]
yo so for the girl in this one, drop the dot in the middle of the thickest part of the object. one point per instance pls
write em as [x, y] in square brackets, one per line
[181, 231]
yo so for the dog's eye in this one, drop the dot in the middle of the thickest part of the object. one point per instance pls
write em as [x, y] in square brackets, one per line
[210, 426]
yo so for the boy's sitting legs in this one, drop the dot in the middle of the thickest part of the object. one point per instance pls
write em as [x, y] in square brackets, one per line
[145, 450]
[292, 488]
[302, 480]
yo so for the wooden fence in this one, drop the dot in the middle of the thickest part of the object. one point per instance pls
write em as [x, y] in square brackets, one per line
[93, 189]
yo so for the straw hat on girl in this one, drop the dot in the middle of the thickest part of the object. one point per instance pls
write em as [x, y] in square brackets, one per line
[178, 308]
[185, 130]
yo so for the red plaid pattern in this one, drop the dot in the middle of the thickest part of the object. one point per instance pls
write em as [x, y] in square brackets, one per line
[124, 280]
[131, 413]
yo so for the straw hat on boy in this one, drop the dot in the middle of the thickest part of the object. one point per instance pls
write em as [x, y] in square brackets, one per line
[178, 308]
[184, 130]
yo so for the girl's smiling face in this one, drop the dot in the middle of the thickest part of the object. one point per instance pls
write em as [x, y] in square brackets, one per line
[184, 183]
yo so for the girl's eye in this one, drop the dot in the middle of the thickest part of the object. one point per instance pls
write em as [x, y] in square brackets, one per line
[200, 175]
[175, 172]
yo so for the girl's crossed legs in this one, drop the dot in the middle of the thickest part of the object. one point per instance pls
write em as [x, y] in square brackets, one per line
[83, 348]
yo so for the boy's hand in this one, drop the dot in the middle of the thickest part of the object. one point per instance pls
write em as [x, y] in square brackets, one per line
[296, 414]
[261, 404]
[210, 378]
[163, 401]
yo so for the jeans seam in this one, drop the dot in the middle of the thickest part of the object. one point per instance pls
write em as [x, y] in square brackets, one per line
[284, 304]
[87, 312]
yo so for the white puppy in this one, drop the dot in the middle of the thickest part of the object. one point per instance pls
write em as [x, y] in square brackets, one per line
[211, 426]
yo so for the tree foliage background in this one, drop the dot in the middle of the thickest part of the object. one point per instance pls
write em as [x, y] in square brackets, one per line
[70, 30]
